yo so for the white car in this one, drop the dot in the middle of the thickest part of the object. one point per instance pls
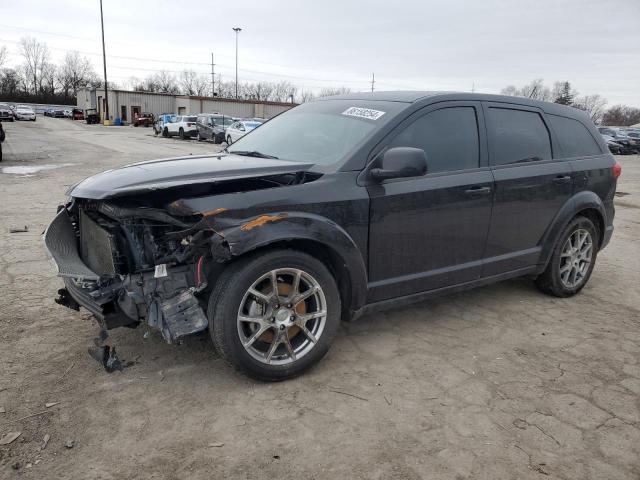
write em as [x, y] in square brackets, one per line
[182, 125]
[25, 113]
[67, 113]
[239, 129]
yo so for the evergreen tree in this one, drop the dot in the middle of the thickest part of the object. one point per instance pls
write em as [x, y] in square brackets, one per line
[565, 96]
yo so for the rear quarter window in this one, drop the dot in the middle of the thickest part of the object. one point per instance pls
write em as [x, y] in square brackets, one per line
[574, 138]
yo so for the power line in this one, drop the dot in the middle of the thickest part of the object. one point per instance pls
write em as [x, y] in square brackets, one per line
[226, 67]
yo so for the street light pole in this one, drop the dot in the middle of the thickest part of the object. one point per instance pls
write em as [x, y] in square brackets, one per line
[104, 59]
[237, 30]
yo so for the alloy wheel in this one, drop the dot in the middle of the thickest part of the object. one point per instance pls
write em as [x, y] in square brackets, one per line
[576, 256]
[282, 316]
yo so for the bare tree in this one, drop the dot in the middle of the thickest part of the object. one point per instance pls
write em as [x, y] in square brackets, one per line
[593, 105]
[621, 115]
[258, 91]
[284, 91]
[74, 73]
[166, 82]
[536, 90]
[329, 91]
[305, 96]
[48, 77]
[35, 55]
[4, 54]
[194, 83]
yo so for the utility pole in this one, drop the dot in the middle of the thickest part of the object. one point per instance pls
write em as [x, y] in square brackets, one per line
[213, 78]
[237, 30]
[104, 58]
[373, 80]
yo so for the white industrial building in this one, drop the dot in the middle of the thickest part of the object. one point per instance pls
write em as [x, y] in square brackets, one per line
[125, 105]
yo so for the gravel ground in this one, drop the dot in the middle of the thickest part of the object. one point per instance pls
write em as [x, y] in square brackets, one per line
[498, 382]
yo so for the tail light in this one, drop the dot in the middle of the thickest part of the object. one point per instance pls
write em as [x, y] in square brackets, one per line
[190, 124]
[616, 169]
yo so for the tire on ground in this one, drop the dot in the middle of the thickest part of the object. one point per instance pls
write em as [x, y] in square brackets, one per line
[228, 293]
[550, 281]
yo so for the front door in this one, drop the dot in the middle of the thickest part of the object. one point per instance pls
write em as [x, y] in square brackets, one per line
[429, 232]
[531, 186]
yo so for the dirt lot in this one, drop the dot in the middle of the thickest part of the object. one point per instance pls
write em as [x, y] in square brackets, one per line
[499, 382]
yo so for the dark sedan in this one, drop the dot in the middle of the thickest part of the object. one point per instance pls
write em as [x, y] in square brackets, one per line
[6, 113]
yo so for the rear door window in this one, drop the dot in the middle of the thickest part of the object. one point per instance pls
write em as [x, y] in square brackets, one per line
[575, 140]
[517, 136]
[448, 136]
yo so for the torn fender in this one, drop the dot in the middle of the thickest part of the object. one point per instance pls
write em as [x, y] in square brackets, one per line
[260, 231]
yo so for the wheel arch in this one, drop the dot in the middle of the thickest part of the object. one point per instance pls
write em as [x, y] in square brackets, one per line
[314, 235]
[585, 203]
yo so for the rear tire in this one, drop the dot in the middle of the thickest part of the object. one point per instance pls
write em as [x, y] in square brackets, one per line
[229, 142]
[181, 134]
[278, 317]
[572, 260]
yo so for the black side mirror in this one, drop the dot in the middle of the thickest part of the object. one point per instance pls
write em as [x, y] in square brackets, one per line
[401, 162]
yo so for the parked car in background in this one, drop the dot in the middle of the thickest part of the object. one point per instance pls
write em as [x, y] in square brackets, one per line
[24, 112]
[6, 114]
[629, 144]
[58, 113]
[77, 114]
[145, 119]
[239, 129]
[615, 147]
[337, 208]
[91, 115]
[184, 126]
[163, 118]
[213, 126]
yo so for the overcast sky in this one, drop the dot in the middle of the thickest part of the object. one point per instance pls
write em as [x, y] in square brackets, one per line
[411, 44]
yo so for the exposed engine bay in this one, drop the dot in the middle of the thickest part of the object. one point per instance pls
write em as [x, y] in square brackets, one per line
[148, 258]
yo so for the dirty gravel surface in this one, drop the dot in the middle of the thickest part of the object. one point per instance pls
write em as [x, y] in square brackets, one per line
[499, 382]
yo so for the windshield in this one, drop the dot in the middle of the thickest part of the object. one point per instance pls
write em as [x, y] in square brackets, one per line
[321, 132]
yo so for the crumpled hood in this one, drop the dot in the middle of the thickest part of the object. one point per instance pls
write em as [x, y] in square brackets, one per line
[176, 172]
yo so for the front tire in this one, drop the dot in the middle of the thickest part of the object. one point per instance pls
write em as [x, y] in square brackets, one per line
[572, 259]
[165, 132]
[229, 142]
[181, 134]
[274, 334]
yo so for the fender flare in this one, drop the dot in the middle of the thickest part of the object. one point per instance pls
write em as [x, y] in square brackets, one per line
[580, 201]
[267, 229]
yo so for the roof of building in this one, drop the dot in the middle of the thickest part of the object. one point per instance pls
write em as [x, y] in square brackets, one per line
[196, 97]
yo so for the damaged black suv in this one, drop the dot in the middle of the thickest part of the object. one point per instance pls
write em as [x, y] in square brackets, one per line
[335, 208]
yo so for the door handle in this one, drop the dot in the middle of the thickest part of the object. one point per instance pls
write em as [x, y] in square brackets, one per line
[477, 190]
[560, 179]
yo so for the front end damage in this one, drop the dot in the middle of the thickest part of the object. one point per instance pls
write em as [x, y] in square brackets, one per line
[128, 266]
[148, 260]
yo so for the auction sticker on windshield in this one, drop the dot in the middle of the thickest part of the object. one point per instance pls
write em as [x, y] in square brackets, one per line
[367, 113]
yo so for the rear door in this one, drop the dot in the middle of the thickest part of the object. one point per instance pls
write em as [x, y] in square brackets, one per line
[429, 232]
[531, 185]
